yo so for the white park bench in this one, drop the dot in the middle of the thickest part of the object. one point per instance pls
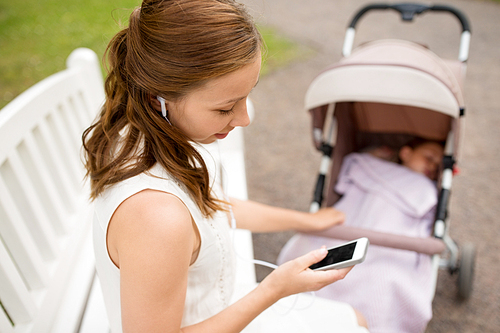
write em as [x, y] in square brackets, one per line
[47, 273]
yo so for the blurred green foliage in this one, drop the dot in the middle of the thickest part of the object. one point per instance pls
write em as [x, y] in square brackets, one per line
[280, 50]
[36, 36]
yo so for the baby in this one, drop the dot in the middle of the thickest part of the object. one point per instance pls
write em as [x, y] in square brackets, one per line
[422, 156]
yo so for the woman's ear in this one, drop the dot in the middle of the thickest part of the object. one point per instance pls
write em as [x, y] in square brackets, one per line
[155, 103]
[405, 154]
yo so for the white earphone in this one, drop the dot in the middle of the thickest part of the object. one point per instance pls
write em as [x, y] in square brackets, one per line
[164, 111]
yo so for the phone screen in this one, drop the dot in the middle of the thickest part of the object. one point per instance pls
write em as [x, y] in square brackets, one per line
[336, 255]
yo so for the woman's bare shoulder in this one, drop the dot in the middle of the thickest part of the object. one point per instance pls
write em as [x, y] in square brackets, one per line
[147, 220]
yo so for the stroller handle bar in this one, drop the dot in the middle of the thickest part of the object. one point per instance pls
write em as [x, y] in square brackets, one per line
[408, 12]
[424, 245]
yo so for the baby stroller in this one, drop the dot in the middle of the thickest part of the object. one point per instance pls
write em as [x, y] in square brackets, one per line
[387, 92]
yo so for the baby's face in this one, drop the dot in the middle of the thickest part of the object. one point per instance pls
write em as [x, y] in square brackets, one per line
[424, 159]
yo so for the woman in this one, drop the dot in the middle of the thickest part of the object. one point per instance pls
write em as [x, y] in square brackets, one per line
[180, 75]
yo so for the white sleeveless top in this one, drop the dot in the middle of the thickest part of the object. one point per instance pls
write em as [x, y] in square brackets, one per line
[210, 277]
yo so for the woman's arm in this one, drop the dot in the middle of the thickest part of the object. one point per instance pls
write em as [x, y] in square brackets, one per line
[152, 240]
[290, 278]
[258, 217]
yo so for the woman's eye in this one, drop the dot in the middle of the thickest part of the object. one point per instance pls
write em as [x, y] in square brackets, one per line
[226, 112]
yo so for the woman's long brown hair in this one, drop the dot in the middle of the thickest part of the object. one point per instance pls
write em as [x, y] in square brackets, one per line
[170, 48]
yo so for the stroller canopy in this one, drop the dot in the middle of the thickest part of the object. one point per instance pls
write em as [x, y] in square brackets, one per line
[392, 72]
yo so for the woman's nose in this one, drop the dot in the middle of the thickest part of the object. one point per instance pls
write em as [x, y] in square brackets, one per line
[241, 117]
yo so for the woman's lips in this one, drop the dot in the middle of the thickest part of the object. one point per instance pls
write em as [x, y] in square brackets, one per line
[221, 136]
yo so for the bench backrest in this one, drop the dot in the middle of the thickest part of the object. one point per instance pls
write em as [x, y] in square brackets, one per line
[46, 259]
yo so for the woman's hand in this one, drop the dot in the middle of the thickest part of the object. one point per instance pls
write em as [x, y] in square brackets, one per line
[295, 276]
[322, 219]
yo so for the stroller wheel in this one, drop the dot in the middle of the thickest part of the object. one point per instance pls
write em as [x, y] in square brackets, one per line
[466, 271]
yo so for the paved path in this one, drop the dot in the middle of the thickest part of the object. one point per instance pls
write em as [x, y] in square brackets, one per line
[282, 164]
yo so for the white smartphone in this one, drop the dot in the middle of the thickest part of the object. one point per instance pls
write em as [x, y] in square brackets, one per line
[345, 255]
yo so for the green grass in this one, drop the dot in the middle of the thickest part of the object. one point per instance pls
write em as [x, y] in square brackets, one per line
[36, 36]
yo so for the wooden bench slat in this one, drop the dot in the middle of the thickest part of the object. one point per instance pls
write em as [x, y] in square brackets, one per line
[79, 105]
[66, 280]
[31, 208]
[15, 296]
[20, 243]
[70, 310]
[61, 177]
[62, 140]
[41, 180]
[70, 123]
[5, 324]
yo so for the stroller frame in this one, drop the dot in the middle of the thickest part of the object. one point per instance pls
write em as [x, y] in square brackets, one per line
[445, 252]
